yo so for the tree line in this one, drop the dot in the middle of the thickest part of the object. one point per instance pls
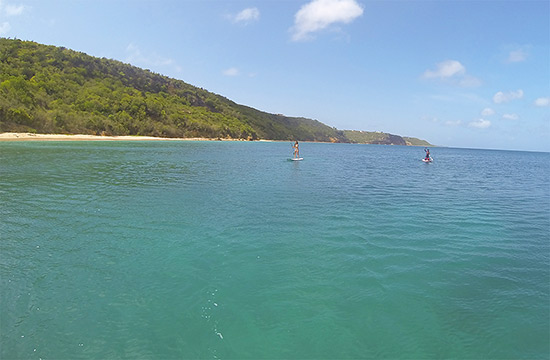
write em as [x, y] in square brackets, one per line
[48, 89]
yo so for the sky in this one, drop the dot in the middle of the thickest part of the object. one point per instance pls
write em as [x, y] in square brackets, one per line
[457, 73]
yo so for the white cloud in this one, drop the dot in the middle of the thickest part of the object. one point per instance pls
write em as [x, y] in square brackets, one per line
[5, 27]
[453, 123]
[543, 101]
[487, 112]
[321, 14]
[431, 119]
[480, 124]
[135, 57]
[9, 10]
[452, 71]
[518, 55]
[14, 10]
[510, 116]
[501, 97]
[469, 81]
[245, 16]
[231, 72]
[445, 69]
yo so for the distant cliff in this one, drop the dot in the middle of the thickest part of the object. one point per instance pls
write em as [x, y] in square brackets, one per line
[47, 89]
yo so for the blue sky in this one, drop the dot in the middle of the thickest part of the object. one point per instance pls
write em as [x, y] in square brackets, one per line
[461, 73]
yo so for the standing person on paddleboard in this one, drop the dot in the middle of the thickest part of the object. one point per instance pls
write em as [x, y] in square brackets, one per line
[296, 150]
[427, 154]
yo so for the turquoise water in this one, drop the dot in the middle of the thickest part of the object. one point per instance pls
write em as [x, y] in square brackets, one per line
[223, 250]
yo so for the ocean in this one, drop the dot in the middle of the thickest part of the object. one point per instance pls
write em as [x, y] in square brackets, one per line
[229, 250]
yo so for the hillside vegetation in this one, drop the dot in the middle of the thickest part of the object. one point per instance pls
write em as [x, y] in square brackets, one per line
[47, 89]
[416, 142]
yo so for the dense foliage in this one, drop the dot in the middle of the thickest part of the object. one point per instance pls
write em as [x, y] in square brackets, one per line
[367, 137]
[416, 142]
[376, 137]
[47, 89]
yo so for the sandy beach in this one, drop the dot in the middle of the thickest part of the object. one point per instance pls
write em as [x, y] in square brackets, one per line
[9, 136]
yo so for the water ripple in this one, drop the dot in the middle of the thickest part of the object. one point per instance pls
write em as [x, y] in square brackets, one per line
[200, 250]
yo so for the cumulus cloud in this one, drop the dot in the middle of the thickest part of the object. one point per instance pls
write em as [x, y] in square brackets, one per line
[245, 16]
[432, 119]
[9, 10]
[452, 71]
[321, 14]
[480, 124]
[14, 10]
[510, 116]
[136, 57]
[453, 122]
[543, 101]
[501, 97]
[445, 69]
[231, 72]
[518, 55]
[487, 112]
[469, 81]
[5, 27]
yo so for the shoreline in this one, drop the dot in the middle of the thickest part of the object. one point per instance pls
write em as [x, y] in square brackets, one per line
[12, 136]
[26, 136]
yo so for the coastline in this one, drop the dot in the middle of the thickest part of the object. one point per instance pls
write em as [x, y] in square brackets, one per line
[12, 136]
[26, 136]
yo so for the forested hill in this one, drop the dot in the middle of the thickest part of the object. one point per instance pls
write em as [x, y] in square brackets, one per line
[47, 89]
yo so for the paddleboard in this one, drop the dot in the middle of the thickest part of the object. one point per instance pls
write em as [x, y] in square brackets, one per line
[427, 161]
[296, 159]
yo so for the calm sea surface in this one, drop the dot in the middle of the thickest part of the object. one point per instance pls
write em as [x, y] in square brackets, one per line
[224, 250]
